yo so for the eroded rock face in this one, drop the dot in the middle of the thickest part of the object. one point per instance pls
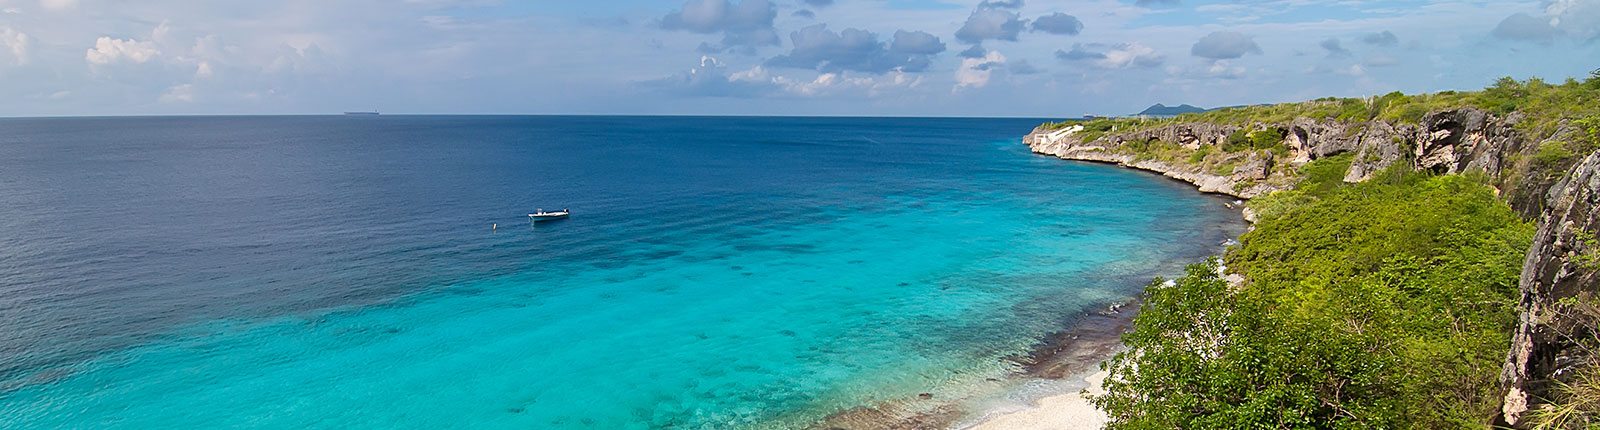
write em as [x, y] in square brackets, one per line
[1553, 270]
[1466, 139]
[1255, 168]
[1382, 145]
[1310, 139]
[1190, 135]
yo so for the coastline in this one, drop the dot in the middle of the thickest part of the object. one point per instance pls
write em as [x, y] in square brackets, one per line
[1064, 355]
[1056, 378]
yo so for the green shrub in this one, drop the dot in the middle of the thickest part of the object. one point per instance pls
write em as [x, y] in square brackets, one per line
[1200, 155]
[1386, 304]
[1324, 175]
[1271, 138]
[1237, 141]
[1551, 154]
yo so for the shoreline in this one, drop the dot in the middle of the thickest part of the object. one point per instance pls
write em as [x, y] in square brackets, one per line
[1069, 357]
[1074, 411]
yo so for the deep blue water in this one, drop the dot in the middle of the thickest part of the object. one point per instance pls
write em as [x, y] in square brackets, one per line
[334, 272]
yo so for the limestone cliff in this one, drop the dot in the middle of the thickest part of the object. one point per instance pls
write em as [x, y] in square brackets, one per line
[1456, 141]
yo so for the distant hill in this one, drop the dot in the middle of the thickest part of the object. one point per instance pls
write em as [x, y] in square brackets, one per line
[1163, 110]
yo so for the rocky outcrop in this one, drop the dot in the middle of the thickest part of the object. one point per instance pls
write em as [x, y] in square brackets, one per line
[1447, 142]
[1207, 182]
[1381, 145]
[1561, 264]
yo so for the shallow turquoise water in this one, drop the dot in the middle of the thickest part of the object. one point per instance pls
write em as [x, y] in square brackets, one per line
[730, 281]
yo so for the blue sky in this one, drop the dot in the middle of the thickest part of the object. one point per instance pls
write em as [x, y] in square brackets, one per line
[764, 57]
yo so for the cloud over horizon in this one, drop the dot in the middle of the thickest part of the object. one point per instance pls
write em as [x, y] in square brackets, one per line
[1224, 45]
[901, 57]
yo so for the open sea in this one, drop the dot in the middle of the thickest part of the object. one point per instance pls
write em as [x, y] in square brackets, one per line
[717, 272]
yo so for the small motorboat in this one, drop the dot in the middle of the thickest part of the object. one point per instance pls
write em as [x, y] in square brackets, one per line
[541, 215]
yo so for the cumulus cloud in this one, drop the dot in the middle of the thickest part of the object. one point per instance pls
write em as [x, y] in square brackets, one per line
[1334, 48]
[17, 42]
[107, 50]
[747, 23]
[1524, 27]
[1381, 39]
[709, 80]
[816, 47]
[1120, 56]
[1079, 53]
[804, 13]
[990, 22]
[976, 51]
[1577, 19]
[916, 42]
[1058, 23]
[1224, 45]
[1128, 55]
[974, 72]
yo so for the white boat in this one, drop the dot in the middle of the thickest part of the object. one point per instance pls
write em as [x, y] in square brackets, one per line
[541, 215]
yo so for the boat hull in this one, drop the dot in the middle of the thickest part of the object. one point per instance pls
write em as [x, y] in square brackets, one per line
[543, 218]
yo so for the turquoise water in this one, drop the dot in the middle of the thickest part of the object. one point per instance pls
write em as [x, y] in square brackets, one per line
[741, 273]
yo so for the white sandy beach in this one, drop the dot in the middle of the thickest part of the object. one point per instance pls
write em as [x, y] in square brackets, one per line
[1058, 412]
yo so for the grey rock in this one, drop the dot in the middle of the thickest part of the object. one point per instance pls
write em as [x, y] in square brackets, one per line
[1551, 272]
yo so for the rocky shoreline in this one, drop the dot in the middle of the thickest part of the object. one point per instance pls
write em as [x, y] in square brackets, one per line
[1074, 352]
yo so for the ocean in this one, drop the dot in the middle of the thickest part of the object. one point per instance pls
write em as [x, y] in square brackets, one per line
[716, 273]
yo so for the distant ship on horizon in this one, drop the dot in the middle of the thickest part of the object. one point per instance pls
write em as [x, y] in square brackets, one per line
[367, 113]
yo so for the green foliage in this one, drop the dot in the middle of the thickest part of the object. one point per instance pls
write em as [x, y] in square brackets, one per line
[1238, 141]
[1386, 304]
[1324, 175]
[1270, 138]
[1550, 153]
[1200, 155]
[1279, 203]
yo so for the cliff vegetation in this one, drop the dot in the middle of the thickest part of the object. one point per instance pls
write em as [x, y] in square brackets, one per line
[1418, 261]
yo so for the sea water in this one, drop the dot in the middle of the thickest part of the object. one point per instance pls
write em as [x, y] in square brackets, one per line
[381, 272]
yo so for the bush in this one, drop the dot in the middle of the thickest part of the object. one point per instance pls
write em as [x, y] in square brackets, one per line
[1271, 138]
[1238, 141]
[1385, 304]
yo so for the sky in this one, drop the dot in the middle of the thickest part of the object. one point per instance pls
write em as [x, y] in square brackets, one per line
[1030, 58]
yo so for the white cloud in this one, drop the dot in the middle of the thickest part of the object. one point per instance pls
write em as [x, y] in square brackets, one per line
[974, 72]
[178, 93]
[17, 42]
[1129, 55]
[58, 5]
[107, 50]
[1580, 19]
[203, 70]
